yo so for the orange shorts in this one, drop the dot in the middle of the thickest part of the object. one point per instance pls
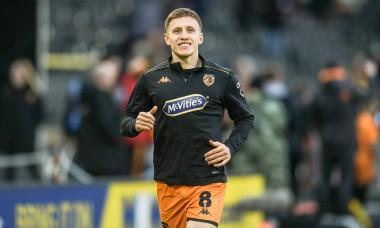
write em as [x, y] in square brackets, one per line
[179, 204]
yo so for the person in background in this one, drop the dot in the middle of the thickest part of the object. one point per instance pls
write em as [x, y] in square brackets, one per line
[297, 103]
[365, 72]
[333, 115]
[21, 113]
[143, 142]
[245, 68]
[100, 150]
[367, 138]
[266, 150]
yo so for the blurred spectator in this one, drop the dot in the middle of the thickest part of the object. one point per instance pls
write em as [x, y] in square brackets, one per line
[54, 170]
[265, 151]
[329, 9]
[333, 115]
[274, 85]
[365, 71]
[271, 12]
[100, 150]
[322, 9]
[297, 101]
[349, 7]
[246, 69]
[271, 15]
[244, 15]
[150, 46]
[21, 113]
[72, 117]
[367, 137]
[143, 142]
[145, 17]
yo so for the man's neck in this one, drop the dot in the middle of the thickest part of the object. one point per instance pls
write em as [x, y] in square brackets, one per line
[188, 62]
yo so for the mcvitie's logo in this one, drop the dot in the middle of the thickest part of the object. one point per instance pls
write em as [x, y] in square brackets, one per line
[164, 80]
[184, 105]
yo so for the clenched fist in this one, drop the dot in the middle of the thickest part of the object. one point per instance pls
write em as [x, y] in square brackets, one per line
[145, 120]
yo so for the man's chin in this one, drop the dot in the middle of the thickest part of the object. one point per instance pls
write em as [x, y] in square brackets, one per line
[184, 54]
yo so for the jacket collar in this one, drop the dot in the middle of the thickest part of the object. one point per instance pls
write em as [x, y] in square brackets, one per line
[177, 66]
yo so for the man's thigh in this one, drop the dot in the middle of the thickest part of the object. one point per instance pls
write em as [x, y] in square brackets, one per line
[206, 204]
[172, 205]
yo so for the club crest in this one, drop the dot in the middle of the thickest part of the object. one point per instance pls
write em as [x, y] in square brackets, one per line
[208, 79]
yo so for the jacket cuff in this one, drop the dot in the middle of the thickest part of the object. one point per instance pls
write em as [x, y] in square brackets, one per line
[232, 149]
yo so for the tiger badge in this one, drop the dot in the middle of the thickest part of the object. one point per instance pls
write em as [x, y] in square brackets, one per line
[208, 79]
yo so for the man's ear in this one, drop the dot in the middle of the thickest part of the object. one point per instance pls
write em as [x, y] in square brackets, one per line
[201, 38]
[167, 41]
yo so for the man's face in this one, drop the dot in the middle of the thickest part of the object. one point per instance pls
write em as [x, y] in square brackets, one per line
[183, 36]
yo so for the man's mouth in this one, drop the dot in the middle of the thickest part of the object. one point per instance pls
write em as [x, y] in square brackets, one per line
[184, 45]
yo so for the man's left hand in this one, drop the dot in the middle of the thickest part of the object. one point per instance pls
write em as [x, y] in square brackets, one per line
[218, 156]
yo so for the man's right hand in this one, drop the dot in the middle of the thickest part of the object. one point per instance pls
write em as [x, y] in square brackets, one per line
[145, 120]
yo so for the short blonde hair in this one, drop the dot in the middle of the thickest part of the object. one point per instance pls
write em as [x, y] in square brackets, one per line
[182, 12]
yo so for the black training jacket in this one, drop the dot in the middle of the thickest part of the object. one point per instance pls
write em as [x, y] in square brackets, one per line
[190, 112]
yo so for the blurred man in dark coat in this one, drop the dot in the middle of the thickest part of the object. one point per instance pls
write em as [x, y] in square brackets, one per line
[99, 143]
[334, 116]
[21, 112]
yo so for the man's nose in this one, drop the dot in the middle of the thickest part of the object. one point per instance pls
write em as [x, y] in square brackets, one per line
[184, 35]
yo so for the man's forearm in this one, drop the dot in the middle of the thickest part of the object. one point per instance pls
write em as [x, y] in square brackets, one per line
[240, 133]
[127, 126]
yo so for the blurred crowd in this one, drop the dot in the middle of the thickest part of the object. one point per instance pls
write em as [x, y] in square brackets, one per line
[315, 145]
[315, 148]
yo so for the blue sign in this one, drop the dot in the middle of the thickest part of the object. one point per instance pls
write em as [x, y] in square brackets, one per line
[55, 207]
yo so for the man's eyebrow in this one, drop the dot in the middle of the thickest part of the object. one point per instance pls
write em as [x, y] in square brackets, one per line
[180, 27]
[177, 27]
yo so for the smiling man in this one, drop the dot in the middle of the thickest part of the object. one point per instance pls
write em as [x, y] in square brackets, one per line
[183, 100]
